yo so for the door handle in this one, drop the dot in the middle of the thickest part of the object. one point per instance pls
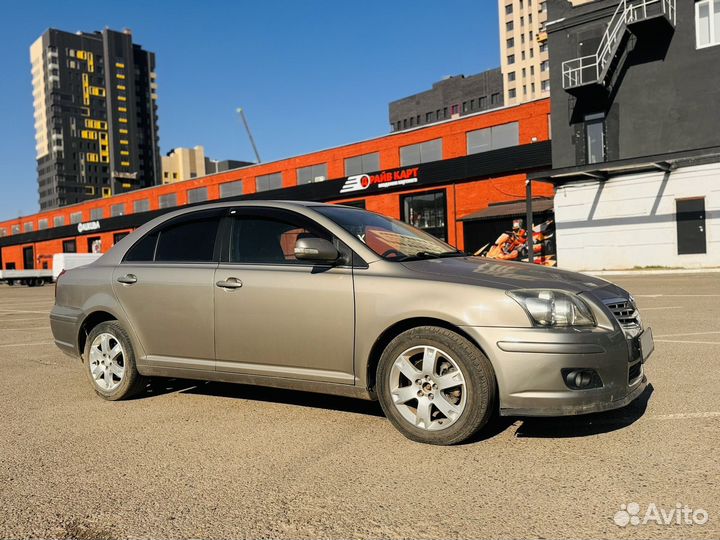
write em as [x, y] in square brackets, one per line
[128, 279]
[229, 283]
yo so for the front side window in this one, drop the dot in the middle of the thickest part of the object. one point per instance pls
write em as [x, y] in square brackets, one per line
[421, 152]
[707, 23]
[260, 239]
[389, 238]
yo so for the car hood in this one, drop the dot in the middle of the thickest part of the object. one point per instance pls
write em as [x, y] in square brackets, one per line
[513, 275]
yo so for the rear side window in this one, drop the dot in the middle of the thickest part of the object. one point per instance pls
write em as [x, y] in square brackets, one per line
[193, 241]
[182, 240]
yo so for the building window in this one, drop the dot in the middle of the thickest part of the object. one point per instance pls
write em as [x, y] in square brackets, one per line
[454, 109]
[16, 229]
[168, 200]
[313, 173]
[512, 93]
[508, 9]
[509, 26]
[595, 138]
[69, 246]
[231, 189]
[356, 204]
[362, 164]
[545, 85]
[511, 58]
[511, 76]
[428, 117]
[482, 102]
[96, 213]
[426, 211]
[267, 182]
[492, 138]
[42, 224]
[197, 195]
[143, 205]
[58, 221]
[28, 227]
[421, 152]
[495, 99]
[76, 217]
[119, 236]
[707, 23]
[117, 209]
[510, 43]
[544, 65]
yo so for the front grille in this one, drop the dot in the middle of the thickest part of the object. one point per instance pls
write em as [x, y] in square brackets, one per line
[634, 372]
[625, 312]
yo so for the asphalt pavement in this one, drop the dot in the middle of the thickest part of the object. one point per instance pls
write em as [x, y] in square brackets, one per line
[207, 460]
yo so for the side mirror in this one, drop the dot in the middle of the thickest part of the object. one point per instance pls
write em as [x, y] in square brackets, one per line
[316, 249]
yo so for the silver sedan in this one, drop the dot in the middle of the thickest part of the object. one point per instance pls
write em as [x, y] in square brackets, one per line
[334, 299]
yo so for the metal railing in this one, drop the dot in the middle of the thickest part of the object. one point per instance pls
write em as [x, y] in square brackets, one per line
[593, 68]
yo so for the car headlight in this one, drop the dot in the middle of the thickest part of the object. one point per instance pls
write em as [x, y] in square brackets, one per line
[552, 308]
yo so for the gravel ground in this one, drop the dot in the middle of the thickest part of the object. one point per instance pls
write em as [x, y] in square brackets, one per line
[206, 460]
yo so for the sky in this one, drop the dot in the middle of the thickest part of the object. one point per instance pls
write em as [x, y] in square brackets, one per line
[310, 74]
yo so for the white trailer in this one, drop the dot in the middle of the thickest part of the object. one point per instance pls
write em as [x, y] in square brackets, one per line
[38, 278]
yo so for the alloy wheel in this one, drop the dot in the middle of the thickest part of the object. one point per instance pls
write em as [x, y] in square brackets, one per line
[107, 362]
[428, 388]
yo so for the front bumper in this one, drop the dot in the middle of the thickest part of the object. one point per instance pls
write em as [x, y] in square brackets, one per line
[528, 364]
[65, 325]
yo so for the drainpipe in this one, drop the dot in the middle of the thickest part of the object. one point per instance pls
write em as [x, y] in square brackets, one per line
[529, 220]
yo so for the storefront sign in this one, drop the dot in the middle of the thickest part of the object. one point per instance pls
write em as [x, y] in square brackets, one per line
[89, 226]
[382, 180]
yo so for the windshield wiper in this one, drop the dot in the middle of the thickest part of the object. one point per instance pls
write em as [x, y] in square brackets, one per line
[422, 255]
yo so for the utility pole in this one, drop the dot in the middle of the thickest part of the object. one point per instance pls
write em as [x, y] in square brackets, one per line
[241, 112]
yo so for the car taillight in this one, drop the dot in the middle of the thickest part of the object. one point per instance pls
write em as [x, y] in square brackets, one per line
[58, 279]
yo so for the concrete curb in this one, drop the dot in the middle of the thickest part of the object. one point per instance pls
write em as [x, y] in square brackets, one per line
[652, 272]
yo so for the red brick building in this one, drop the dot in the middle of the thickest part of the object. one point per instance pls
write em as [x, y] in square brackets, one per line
[433, 177]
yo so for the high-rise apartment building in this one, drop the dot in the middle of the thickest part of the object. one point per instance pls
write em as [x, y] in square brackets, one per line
[523, 50]
[95, 116]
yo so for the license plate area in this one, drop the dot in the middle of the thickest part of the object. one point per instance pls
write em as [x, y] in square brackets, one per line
[646, 344]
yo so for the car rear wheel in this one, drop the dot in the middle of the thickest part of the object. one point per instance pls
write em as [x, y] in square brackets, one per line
[435, 386]
[110, 362]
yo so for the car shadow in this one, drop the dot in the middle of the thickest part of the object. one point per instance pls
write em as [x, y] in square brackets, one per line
[288, 397]
[587, 424]
[527, 427]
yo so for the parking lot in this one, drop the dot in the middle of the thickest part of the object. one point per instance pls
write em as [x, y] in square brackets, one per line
[190, 459]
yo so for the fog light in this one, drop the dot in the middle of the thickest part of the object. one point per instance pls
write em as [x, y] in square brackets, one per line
[581, 379]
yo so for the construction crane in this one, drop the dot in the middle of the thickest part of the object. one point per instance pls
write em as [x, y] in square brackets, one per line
[241, 112]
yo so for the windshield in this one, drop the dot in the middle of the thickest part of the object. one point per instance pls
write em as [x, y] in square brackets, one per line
[391, 239]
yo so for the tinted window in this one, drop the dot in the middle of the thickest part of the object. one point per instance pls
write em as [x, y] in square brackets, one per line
[143, 250]
[421, 152]
[267, 240]
[268, 182]
[231, 189]
[191, 241]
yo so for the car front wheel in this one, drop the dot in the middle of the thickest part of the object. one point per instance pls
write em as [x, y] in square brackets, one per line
[110, 362]
[435, 386]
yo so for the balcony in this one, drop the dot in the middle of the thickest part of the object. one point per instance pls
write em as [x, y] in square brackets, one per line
[631, 16]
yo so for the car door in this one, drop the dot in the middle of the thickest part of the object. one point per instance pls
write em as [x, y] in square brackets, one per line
[276, 315]
[165, 286]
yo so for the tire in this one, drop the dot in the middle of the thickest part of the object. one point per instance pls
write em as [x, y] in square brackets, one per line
[113, 375]
[456, 393]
